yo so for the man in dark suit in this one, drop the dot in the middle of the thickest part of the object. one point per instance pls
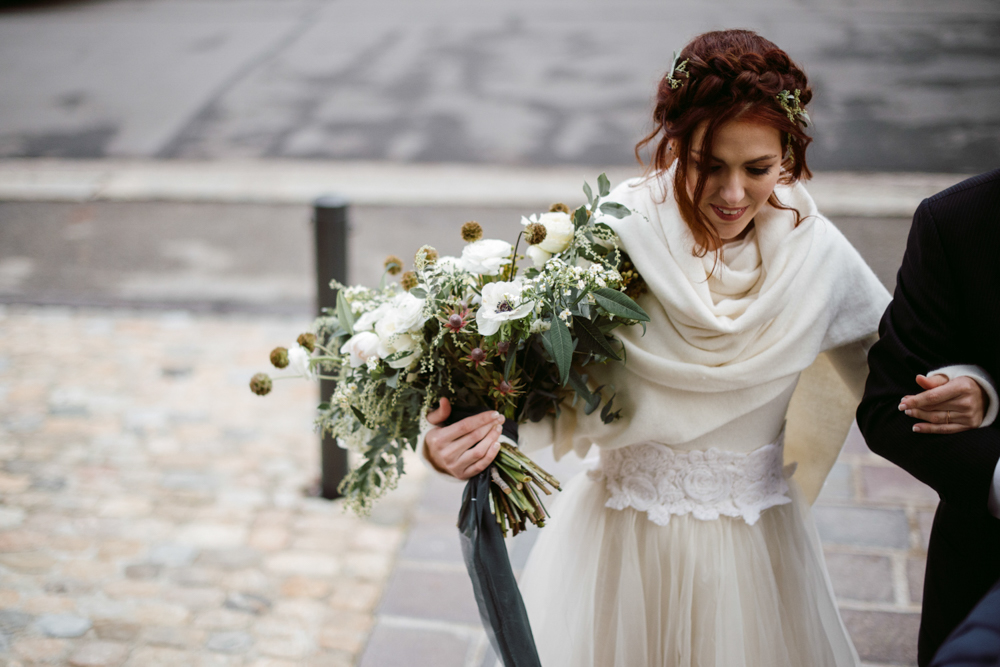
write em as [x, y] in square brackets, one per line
[945, 310]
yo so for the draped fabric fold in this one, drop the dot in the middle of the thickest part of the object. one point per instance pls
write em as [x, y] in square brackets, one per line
[730, 336]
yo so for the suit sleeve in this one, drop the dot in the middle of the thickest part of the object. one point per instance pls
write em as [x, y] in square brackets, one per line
[921, 331]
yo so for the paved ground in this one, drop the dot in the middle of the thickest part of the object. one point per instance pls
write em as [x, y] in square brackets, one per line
[901, 84]
[151, 507]
[151, 514]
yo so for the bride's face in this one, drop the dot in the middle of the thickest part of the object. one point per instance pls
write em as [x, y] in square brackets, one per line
[740, 174]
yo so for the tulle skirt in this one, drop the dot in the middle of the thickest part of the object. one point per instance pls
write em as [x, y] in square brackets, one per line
[609, 588]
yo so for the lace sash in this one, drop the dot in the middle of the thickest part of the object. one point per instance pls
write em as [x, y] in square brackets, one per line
[661, 482]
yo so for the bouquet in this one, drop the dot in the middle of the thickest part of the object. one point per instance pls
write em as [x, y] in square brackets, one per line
[487, 334]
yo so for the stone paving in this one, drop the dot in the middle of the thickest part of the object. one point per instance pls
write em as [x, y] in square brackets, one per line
[152, 509]
[152, 513]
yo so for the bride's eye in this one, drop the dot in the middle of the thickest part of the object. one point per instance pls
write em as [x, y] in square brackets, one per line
[759, 171]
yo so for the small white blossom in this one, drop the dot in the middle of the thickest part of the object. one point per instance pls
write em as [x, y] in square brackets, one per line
[565, 315]
[539, 326]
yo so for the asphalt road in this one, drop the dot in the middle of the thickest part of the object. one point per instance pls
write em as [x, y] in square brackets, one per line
[901, 85]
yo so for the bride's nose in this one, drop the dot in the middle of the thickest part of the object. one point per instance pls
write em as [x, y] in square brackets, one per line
[732, 190]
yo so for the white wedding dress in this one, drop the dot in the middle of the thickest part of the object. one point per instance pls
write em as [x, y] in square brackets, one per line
[691, 544]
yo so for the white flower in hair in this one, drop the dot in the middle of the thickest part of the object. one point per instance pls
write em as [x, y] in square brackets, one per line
[501, 303]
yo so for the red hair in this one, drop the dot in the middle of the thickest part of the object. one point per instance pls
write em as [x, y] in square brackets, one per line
[732, 75]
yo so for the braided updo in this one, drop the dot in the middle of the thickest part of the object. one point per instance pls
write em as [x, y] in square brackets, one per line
[729, 75]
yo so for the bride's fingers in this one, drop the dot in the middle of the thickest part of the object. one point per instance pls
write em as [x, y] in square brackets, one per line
[940, 429]
[460, 447]
[487, 457]
[932, 381]
[932, 397]
[435, 417]
[954, 416]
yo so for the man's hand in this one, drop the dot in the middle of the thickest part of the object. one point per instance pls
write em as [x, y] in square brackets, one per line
[947, 406]
[465, 448]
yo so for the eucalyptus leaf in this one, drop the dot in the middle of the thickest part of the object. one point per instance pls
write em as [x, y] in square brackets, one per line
[595, 401]
[579, 384]
[591, 338]
[559, 343]
[607, 416]
[615, 210]
[587, 191]
[619, 304]
[603, 185]
[419, 292]
[345, 317]
[580, 217]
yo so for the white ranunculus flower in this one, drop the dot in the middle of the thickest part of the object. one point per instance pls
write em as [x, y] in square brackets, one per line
[486, 257]
[537, 256]
[298, 360]
[501, 303]
[408, 312]
[558, 231]
[362, 346]
[367, 321]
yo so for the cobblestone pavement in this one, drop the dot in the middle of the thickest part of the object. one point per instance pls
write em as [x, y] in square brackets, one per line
[900, 84]
[151, 507]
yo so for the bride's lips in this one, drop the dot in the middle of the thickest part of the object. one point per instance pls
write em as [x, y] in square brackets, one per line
[733, 214]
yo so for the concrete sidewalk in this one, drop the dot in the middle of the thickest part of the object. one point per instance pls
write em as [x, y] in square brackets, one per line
[399, 184]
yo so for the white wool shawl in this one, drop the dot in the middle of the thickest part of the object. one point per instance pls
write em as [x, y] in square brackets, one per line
[720, 345]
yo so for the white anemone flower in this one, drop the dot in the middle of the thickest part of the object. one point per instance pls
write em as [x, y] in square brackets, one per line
[361, 347]
[501, 303]
[298, 360]
[486, 257]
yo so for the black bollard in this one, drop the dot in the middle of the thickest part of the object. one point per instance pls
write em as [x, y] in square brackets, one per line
[330, 226]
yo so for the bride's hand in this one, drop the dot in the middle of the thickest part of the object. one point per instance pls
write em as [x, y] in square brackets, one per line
[947, 406]
[465, 448]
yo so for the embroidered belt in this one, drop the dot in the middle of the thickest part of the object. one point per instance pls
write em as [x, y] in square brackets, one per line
[662, 482]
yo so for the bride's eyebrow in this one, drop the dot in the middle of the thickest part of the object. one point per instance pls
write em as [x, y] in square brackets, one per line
[697, 154]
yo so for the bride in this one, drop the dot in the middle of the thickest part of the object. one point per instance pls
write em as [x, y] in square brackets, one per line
[692, 543]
